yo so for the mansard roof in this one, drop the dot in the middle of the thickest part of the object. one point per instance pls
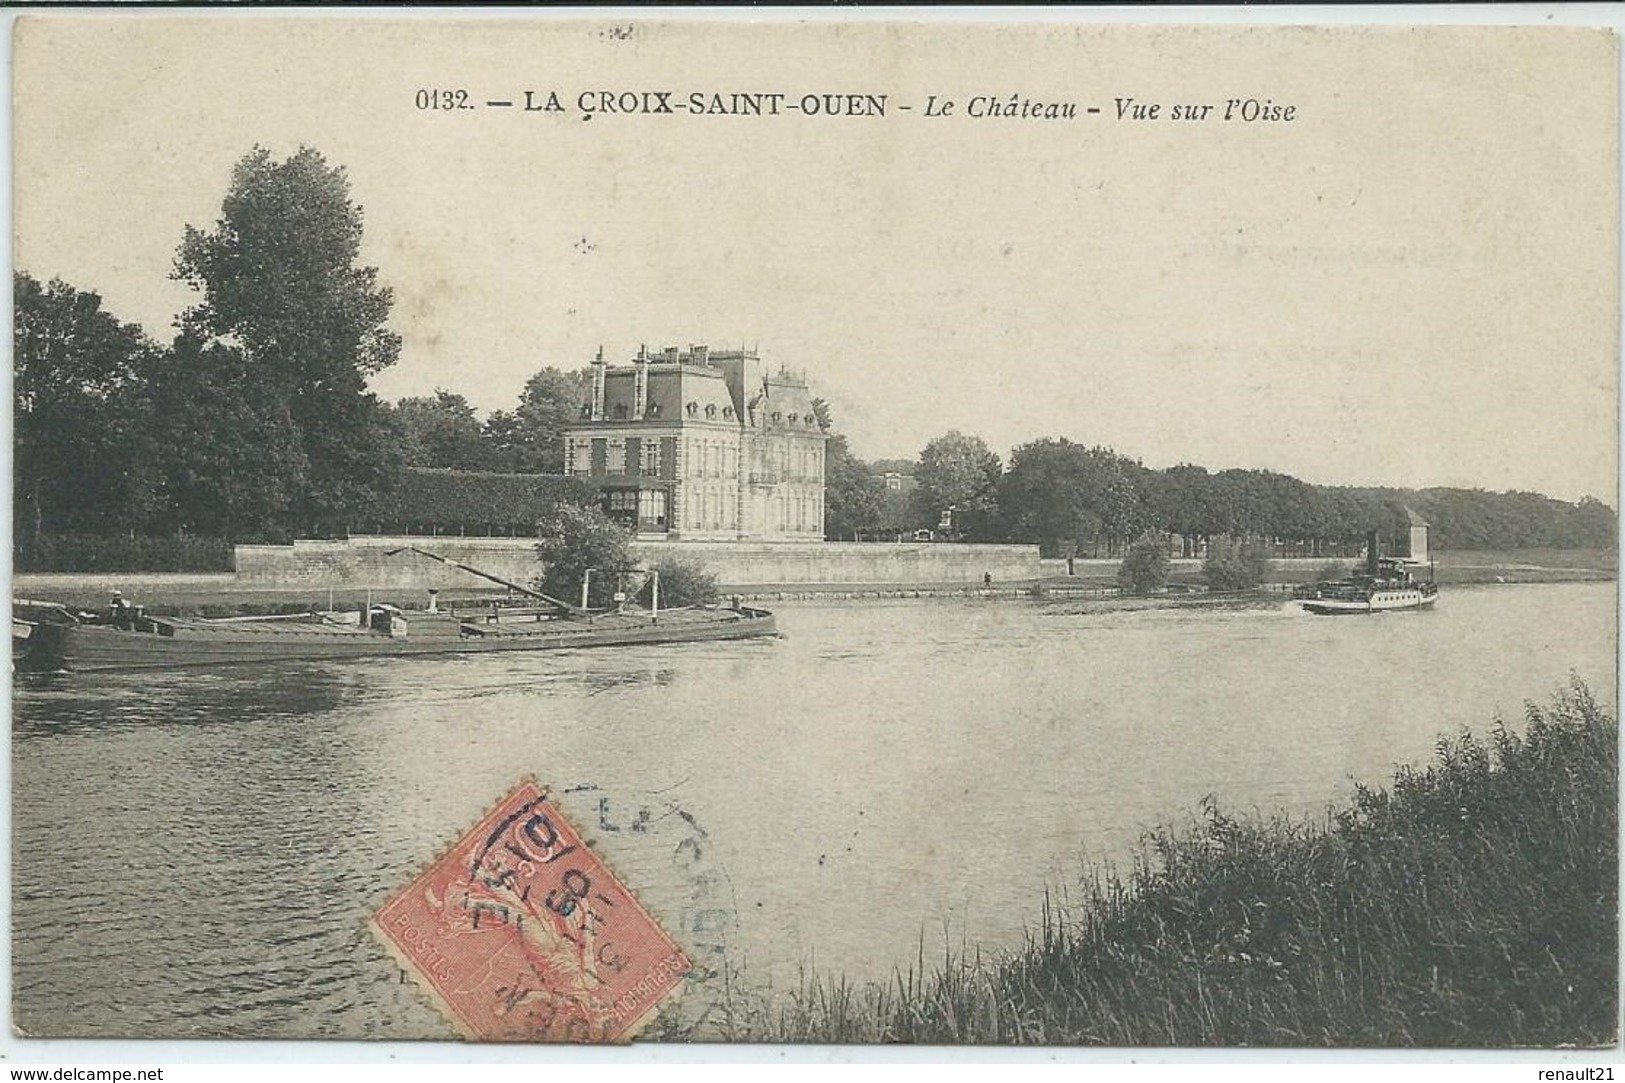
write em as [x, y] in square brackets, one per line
[721, 387]
[784, 402]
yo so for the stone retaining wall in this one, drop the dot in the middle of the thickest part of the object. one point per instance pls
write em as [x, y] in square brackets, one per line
[744, 564]
[376, 562]
[382, 562]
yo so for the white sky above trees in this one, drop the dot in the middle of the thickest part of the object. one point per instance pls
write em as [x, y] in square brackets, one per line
[1416, 282]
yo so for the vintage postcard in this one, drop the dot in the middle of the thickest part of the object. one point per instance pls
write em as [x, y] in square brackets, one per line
[769, 530]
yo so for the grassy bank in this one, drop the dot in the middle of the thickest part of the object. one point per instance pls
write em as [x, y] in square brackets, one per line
[1473, 902]
[1574, 559]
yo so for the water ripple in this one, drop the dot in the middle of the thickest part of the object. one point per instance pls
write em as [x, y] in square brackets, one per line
[196, 854]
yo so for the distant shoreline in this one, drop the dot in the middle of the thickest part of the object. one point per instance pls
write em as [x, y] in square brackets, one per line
[218, 595]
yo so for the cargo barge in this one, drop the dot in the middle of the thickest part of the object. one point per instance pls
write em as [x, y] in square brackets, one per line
[50, 637]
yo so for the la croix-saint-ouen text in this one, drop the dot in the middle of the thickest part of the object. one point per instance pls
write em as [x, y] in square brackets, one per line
[588, 104]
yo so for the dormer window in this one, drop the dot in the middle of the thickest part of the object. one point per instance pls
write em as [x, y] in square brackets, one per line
[728, 412]
[777, 416]
[692, 409]
[794, 419]
[710, 412]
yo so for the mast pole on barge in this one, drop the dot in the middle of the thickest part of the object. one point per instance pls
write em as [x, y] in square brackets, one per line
[549, 599]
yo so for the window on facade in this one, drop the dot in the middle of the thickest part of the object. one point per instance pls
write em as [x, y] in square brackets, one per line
[620, 409]
[651, 457]
[623, 500]
[580, 457]
[652, 506]
[615, 457]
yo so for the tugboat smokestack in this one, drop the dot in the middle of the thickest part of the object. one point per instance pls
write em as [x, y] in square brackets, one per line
[1372, 553]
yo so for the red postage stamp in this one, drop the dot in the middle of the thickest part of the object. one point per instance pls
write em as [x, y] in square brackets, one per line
[522, 934]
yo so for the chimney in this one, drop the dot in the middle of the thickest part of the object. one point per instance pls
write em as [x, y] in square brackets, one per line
[701, 354]
[1419, 543]
[1418, 550]
[598, 386]
[670, 355]
[640, 387]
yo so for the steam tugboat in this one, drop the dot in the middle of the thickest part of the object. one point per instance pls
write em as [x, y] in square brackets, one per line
[1384, 583]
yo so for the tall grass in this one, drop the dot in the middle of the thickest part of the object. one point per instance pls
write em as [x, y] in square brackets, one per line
[1473, 902]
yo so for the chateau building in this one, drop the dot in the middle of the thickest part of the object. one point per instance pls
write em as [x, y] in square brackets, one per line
[702, 445]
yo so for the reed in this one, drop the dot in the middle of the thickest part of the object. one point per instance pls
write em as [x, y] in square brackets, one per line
[1472, 902]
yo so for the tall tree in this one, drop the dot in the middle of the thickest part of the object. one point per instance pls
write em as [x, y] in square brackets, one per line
[960, 473]
[1063, 495]
[1187, 507]
[853, 497]
[81, 443]
[230, 456]
[551, 401]
[1593, 524]
[502, 437]
[443, 431]
[280, 277]
[1051, 495]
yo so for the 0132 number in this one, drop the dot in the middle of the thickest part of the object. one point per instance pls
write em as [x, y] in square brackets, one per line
[443, 99]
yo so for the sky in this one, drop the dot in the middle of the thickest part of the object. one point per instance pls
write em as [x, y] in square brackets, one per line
[1414, 281]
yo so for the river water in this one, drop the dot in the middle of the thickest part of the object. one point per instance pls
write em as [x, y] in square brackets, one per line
[196, 854]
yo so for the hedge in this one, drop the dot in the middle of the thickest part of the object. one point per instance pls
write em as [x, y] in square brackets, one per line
[122, 553]
[459, 501]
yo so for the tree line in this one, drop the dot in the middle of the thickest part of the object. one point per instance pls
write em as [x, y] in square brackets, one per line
[255, 418]
[1077, 499]
[255, 423]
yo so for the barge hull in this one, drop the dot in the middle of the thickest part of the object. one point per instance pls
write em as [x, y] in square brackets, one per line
[93, 648]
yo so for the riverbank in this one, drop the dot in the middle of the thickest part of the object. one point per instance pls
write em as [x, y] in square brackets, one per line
[163, 600]
[1471, 903]
[225, 594]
